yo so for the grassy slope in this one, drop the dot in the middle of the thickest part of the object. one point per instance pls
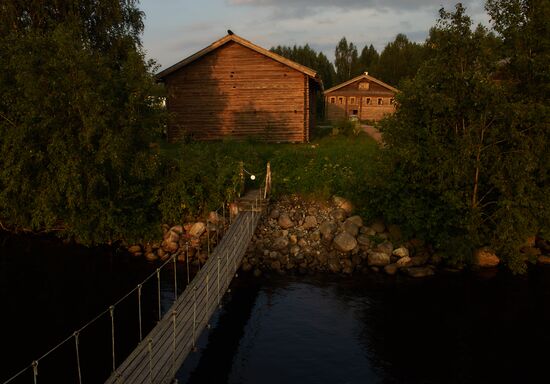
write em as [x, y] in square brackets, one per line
[207, 170]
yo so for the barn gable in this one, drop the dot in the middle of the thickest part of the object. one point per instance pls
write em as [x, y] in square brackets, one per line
[234, 88]
[363, 96]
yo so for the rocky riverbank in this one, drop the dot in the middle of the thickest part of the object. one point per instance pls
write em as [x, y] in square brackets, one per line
[305, 236]
[318, 236]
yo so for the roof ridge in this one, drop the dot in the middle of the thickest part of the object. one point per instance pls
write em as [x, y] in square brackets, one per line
[233, 37]
[364, 75]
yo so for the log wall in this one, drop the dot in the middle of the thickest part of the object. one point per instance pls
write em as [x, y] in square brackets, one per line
[343, 106]
[234, 91]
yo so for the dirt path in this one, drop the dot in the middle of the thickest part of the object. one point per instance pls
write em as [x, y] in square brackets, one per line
[372, 132]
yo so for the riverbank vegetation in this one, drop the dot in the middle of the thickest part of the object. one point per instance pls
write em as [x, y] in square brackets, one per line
[465, 161]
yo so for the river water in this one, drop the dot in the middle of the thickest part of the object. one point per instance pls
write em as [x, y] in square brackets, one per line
[449, 328]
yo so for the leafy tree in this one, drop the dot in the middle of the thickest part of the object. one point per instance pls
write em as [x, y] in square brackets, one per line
[463, 165]
[77, 115]
[399, 60]
[346, 61]
[307, 56]
[368, 60]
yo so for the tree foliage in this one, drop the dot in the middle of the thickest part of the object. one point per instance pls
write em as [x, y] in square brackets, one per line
[466, 157]
[77, 114]
[307, 56]
[399, 60]
[368, 60]
[346, 61]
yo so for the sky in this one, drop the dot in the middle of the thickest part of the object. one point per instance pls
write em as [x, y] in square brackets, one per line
[175, 29]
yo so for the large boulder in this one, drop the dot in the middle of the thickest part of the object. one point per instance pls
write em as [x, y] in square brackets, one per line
[385, 247]
[357, 220]
[197, 229]
[378, 259]
[327, 229]
[378, 226]
[134, 249]
[485, 258]
[405, 261]
[363, 240]
[418, 271]
[338, 214]
[351, 228]
[401, 252]
[342, 203]
[172, 236]
[169, 247]
[345, 242]
[285, 222]
[310, 222]
[390, 269]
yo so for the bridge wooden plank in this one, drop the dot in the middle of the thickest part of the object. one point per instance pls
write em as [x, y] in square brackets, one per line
[163, 360]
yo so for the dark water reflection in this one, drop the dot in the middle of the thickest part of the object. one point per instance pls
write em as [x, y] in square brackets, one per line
[49, 290]
[464, 328]
[451, 328]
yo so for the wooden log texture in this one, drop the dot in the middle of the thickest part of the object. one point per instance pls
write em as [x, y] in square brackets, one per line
[235, 91]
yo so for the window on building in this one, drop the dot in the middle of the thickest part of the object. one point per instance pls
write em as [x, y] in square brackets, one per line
[392, 101]
[380, 101]
[367, 101]
[340, 100]
[333, 100]
[352, 100]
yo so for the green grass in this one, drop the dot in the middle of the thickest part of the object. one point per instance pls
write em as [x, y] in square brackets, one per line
[204, 174]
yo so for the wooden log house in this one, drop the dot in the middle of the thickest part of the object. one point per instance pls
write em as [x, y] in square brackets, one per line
[363, 96]
[234, 88]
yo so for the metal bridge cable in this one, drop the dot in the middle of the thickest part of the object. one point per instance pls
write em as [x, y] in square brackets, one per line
[139, 312]
[157, 272]
[187, 261]
[17, 374]
[158, 291]
[76, 334]
[112, 312]
[35, 371]
[175, 279]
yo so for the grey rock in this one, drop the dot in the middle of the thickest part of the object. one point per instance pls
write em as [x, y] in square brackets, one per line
[351, 228]
[379, 259]
[418, 271]
[343, 203]
[338, 214]
[285, 222]
[390, 269]
[378, 226]
[197, 229]
[345, 242]
[310, 222]
[385, 247]
[400, 252]
[327, 229]
[363, 240]
[357, 220]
